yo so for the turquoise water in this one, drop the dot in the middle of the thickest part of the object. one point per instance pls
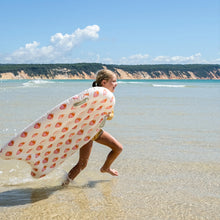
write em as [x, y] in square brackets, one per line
[169, 168]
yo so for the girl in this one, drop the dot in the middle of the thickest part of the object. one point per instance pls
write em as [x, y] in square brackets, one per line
[107, 79]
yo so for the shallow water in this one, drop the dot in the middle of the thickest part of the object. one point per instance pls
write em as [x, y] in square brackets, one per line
[169, 168]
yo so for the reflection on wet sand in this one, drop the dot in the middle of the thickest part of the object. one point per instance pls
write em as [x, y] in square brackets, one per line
[94, 199]
[25, 196]
[99, 202]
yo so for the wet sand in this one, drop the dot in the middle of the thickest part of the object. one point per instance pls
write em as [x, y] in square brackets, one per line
[169, 168]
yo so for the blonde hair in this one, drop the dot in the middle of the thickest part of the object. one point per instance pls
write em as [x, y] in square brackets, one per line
[101, 75]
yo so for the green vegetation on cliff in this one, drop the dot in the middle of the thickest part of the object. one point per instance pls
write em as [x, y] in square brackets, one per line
[207, 71]
[49, 70]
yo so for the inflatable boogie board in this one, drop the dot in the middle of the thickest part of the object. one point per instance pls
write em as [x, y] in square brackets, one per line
[47, 142]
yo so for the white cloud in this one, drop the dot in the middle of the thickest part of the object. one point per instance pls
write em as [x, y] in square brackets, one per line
[68, 42]
[61, 45]
[216, 61]
[57, 51]
[135, 59]
[107, 61]
[147, 59]
[178, 59]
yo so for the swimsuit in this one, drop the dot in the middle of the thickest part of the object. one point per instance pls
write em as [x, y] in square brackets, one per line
[100, 132]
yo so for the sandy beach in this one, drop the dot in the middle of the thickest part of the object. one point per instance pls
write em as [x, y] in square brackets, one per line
[169, 168]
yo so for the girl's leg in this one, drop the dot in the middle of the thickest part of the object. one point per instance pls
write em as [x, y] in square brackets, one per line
[106, 139]
[84, 154]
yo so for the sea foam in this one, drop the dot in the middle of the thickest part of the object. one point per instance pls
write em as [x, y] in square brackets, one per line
[170, 86]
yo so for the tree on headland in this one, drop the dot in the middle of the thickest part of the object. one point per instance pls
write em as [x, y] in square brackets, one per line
[201, 71]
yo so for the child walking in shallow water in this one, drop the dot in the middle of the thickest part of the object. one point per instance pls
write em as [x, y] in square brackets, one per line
[105, 78]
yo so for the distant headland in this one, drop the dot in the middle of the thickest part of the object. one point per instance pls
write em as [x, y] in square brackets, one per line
[88, 71]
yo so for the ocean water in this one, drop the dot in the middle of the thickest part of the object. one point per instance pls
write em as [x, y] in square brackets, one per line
[169, 168]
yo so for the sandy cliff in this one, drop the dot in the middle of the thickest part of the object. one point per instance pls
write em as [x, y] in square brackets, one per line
[64, 73]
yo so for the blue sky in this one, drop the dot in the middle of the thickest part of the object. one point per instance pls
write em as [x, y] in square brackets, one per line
[110, 32]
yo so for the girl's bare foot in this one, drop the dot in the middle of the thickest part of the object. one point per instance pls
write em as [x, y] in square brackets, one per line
[65, 183]
[66, 180]
[110, 171]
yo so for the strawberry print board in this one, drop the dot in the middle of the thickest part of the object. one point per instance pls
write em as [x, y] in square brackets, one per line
[58, 134]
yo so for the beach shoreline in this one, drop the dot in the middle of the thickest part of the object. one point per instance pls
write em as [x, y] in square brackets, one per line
[169, 168]
[22, 75]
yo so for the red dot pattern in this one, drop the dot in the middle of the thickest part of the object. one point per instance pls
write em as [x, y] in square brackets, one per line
[46, 143]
